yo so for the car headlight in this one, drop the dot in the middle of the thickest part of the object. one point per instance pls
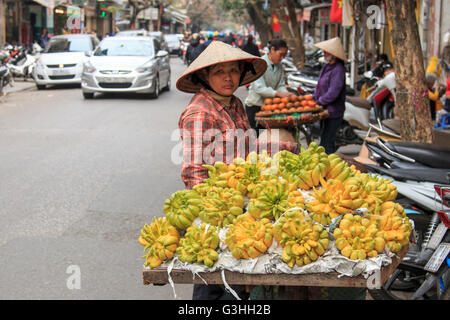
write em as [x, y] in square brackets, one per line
[39, 63]
[88, 67]
[148, 67]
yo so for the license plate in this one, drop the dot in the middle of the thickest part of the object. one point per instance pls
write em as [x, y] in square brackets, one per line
[438, 234]
[60, 72]
[438, 257]
[113, 79]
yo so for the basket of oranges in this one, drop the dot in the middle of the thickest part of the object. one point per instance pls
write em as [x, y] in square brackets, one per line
[289, 112]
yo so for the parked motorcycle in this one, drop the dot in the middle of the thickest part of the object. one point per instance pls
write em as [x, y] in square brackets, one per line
[22, 61]
[356, 116]
[424, 272]
[5, 75]
[421, 173]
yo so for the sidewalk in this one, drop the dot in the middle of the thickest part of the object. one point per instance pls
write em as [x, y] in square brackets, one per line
[19, 85]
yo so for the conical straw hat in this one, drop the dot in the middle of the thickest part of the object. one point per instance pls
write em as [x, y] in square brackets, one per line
[333, 46]
[219, 52]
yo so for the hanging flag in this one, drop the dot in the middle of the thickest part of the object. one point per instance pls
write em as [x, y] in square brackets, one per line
[276, 27]
[336, 11]
[347, 14]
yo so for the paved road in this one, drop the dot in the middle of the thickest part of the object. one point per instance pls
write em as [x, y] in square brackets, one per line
[79, 178]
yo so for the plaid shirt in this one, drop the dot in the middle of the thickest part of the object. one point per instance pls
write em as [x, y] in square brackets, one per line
[214, 132]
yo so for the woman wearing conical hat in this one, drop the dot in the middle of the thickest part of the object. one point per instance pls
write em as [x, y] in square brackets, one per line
[330, 91]
[214, 126]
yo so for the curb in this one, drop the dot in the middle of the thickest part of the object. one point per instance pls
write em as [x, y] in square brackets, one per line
[24, 88]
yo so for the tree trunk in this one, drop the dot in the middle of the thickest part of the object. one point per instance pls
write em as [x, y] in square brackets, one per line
[299, 53]
[412, 103]
[290, 31]
[261, 25]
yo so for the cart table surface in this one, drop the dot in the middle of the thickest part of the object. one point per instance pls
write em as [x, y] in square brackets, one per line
[159, 276]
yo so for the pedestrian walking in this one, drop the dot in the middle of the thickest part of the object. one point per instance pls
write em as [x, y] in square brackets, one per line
[194, 49]
[44, 38]
[330, 91]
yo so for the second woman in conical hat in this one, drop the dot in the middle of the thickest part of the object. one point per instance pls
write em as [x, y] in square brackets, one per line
[214, 126]
[330, 91]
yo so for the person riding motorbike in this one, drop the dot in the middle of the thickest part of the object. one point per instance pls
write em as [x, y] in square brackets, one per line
[194, 49]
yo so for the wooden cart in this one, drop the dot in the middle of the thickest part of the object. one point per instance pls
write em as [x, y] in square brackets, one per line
[159, 276]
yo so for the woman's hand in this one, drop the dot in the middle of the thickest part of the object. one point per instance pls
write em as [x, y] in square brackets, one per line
[276, 136]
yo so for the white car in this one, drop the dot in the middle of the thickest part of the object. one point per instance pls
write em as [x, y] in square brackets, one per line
[173, 43]
[62, 60]
[127, 64]
[133, 33]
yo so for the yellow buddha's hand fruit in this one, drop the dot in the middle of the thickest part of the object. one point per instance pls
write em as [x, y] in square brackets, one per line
[303, 241]
[199, 245]
[160, 240]
[248, 238]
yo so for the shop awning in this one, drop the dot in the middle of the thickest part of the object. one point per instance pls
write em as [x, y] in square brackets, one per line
[46, 3]
[177, 16]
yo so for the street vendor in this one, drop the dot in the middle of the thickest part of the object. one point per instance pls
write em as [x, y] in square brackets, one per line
[271, 85]
[330, 91]
[214, 125]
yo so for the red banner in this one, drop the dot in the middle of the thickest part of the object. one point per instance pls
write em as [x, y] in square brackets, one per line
[336, 11]
[276, 27]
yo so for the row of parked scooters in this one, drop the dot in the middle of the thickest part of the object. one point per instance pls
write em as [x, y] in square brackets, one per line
[17, 62]
[421, 172]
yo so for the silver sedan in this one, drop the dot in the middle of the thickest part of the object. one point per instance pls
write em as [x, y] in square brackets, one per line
[126, 64]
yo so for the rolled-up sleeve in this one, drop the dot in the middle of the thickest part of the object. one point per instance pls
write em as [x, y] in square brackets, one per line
[192, 129]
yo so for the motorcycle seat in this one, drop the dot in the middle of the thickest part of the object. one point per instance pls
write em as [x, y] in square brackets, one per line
[431, 155]
[359, 102]
[392, 124]
[418, 174]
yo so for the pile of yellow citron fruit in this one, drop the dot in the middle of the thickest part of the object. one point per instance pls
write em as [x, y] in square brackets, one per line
[293, 199]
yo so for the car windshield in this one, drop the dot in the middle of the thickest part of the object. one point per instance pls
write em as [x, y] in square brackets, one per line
[125, 48]
[131, 33]
[69, 44]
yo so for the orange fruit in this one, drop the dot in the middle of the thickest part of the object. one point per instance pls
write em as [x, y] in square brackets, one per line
[292, 98]
[311, 103]
[276, 111]
[289, 105]
[281, 106]
[284, 110]
[308, 97]
[268, 101]
[300, 98]
[292, 109]
[284, 100]
[304, 103]
[276, 100]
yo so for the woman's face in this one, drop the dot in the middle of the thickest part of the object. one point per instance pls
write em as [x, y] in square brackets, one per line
[277, 55]
[223, 78]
